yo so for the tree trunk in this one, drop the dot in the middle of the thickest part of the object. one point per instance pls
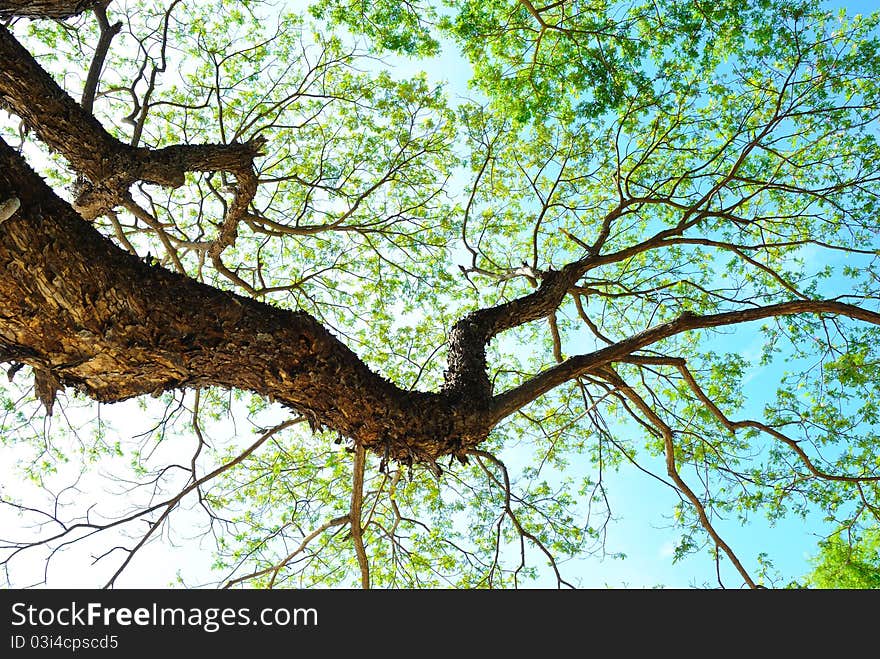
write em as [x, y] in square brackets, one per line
[89, 315]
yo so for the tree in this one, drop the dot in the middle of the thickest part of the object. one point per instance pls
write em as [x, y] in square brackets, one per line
[470, 313]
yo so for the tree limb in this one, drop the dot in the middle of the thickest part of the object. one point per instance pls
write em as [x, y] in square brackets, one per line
[110, 166]
[113, 327]
[505, 404]
[58, 9]
[107, 33]
[672, 469]
[354, 515]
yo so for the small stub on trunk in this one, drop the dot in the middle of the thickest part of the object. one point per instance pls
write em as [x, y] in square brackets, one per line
[8, 208]
[46, 386]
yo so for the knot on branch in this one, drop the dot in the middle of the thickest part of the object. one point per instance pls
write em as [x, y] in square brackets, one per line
[92, 201]
[8, 208]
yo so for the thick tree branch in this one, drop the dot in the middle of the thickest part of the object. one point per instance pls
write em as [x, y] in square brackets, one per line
[355, 514]
[101, 320]
[467, 376]
[508, 402]
[110, 165]
[58, 9]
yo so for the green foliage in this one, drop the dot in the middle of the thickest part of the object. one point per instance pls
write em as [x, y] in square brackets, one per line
[402, 27]
[847, 561]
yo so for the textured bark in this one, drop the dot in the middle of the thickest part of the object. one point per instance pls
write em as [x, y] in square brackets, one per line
[467, 376]
[88, 315]
[58, 9]
[109, 165]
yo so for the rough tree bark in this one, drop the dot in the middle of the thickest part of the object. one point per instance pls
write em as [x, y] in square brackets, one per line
[47, 8]
[102, 321]
[86, 314]
[108, 165]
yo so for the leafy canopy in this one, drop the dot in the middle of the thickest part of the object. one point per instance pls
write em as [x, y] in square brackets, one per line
[847, 562]
[716, 157]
